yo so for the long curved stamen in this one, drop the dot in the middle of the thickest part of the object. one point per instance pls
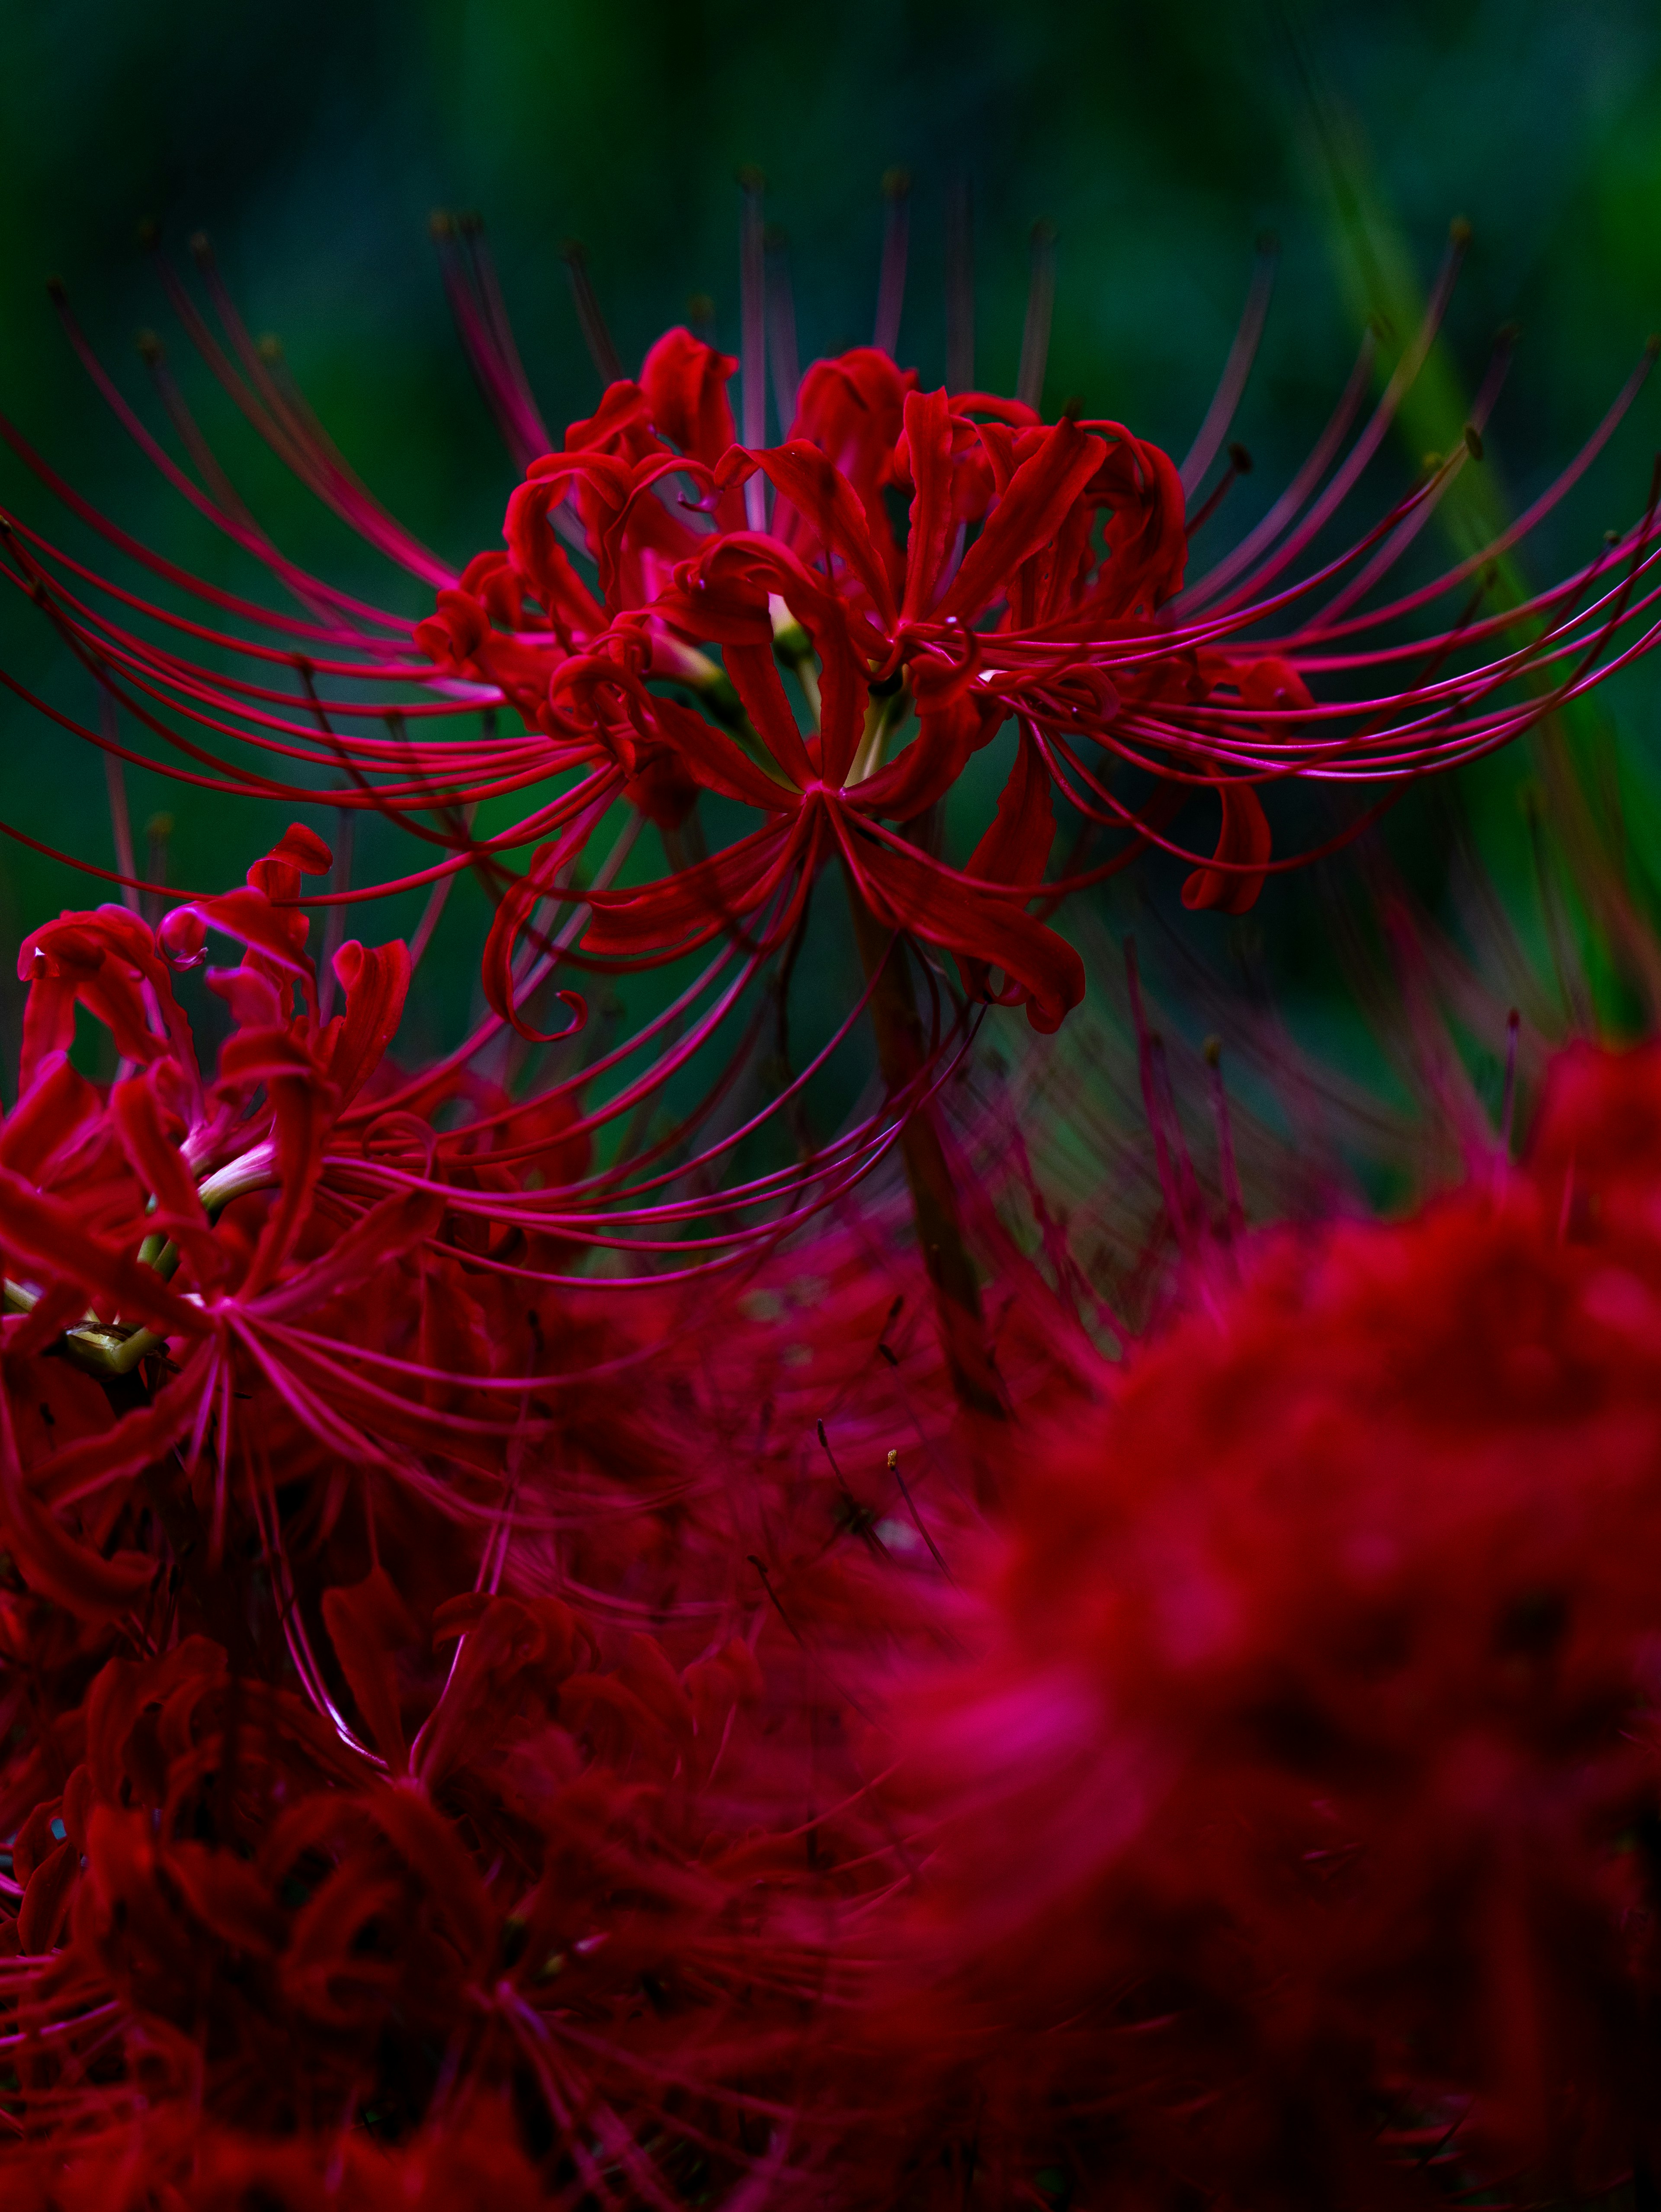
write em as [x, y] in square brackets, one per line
[959, 286]
[781, 326]
[1040, 307]
[752, 311]
[308, 589]
[890, 284]
[120, 819]
[476, 307]
[1401, 380]
[1231, 386]
[279, 412]
[591, 321]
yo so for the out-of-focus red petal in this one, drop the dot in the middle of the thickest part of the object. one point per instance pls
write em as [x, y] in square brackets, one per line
[46, 1903]
[50, 1115]
[368, 1622]
[136, 1118]
[50, 1559]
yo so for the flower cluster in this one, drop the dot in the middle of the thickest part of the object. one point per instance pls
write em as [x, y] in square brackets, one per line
[420, 1775]
[531, 1672]
[797, 649]
[428, 1773]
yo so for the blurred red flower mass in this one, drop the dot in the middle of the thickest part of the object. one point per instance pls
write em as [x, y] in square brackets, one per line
[1294, 1823]
[550, 1654]
[1262, 1800]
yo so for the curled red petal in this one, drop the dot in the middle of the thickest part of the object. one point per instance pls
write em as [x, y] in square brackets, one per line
[1015, 848]
[909, 891]
[929, 447]
[826, 500]
[49, 1114]
[1038, 496]
[685, 382]
[52, 1561]
[46, 1903]
[48, 1235]
[136, 1115]
[1245, 842]
[376, 983]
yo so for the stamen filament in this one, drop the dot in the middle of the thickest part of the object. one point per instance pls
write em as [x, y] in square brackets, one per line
[1040, 306]
[959, 288]
[752, 350]
[890, 286]
[592, 323]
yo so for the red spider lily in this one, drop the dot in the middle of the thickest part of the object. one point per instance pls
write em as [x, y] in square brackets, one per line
[243, 1234]
[871, 630]
[297, 1234]
[637, 1829]
[412, 1845]
[657, 566]
[241, 1918]
[713, 1744]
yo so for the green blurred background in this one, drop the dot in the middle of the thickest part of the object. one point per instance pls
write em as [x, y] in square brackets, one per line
[312, 141]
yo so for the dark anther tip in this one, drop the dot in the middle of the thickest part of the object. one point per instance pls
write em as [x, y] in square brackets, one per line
[1459, 232]
[750, 179]
[199, 246]
[1212, 1050]
[1241, 458]
[150, 234]
[896, 183]
[150, 346]
[1473, 442]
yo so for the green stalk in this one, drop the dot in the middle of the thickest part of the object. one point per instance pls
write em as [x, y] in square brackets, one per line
[901, 1056]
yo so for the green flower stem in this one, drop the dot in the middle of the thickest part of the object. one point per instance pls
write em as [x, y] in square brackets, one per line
[900, 1055]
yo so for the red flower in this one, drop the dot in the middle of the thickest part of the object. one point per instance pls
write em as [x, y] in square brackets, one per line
[1295, 1817]
[463, 1729]
[1043, 575]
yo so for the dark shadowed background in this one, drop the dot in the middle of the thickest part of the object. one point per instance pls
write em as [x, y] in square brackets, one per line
[312, 142]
